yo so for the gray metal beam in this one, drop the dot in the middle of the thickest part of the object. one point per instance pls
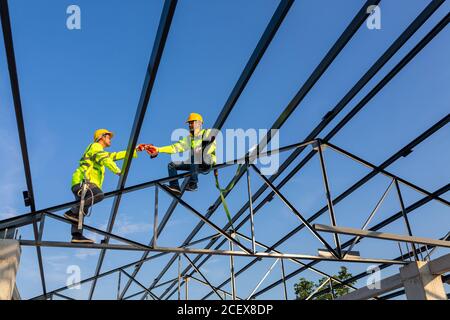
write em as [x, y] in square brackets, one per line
[14, 80]
[294, 261]
[385, 172]
[437, 126]
[258, 255]
[104, 274]
[337, 47]
[422, 43]
[440, 124]
[258, 53]
[382, 224]
[167, 14]
[409, 31]
[381, 235]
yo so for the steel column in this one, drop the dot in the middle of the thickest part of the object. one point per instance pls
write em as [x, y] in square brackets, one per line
[233, 281]
[15, 89]
[405, 217]
[250, 201]
[150, 77]
[295, 211]
[263, 44]
[202, 275]
[345, 37]
[155, 221]
[328, 195]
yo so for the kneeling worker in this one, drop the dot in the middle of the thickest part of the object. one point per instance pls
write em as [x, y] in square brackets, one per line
[202, 148]
[91, 172]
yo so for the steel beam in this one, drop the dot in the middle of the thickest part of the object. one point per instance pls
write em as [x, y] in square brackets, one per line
[258, 53]
[263, 278]
[117, 269]
[382, 235]
[204, 219]
[14, 80]
[412, 28]
[377, 227]
[296, 212]
[345, 37]
[329, 198]
[429, 195]
[372, 214]
[229, 253]
[202, 275]
[19, 221]
[422, 137]
[167, 14]
[382, 224]
[139, 284]
[386, 173]
[219, 290]
[296, 262]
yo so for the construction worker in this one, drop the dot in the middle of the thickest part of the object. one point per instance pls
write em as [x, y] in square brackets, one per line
[202, 148]
[90, 174]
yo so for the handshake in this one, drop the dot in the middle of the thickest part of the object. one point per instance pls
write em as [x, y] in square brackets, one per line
[149, 148]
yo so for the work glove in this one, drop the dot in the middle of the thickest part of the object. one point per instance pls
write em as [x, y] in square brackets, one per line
[152, 151]
[141, 147]
[149, 148]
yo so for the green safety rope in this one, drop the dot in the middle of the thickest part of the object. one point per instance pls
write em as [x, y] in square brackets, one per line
[226, 190]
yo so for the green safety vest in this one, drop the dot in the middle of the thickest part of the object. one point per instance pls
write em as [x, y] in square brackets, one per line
[193, 143]
[93, 162]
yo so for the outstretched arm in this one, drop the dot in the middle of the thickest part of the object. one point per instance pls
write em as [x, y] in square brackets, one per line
[177, 147]
[108, 159]
[115, 156]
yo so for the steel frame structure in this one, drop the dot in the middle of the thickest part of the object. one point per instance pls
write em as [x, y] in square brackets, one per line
[338, 252]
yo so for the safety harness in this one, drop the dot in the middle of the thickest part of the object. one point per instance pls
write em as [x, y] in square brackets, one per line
[224, 191]
[85, 188]
[206, 144]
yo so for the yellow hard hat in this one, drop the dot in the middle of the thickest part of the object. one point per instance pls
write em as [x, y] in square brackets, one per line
[194, 117]
[100, 133]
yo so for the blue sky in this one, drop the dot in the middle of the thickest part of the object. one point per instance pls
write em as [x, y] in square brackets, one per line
[73, 82]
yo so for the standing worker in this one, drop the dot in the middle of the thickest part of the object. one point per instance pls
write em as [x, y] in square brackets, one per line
[90, 175]
[202, 148]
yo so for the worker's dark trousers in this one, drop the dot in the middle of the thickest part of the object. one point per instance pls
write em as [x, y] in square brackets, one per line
[185, 166]
[95, 193]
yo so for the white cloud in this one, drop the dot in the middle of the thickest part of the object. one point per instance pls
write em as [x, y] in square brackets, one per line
[124, 226]
[82, 254]
[58, 262]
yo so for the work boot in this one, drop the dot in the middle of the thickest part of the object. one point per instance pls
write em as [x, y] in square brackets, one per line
[191, 187]
[71, 216]
[79, 238]
[175, 189]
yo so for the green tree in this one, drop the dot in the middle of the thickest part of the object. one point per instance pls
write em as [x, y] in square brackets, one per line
[305, 288]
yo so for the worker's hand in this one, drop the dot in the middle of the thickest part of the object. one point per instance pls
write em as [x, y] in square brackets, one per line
[119, 173]
[141, 147]
[149, 148]
[153, 151]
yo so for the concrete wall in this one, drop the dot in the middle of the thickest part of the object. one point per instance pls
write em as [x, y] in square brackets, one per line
[9, 265]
